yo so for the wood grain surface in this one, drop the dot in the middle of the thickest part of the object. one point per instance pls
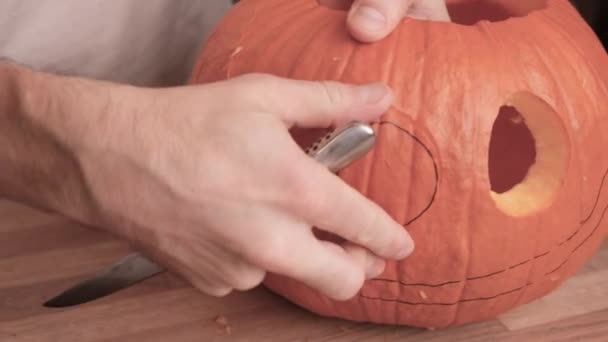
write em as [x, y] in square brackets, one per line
[41, 255]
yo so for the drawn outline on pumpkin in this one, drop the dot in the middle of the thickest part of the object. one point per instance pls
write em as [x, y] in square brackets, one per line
[427, 150]
[464, 300]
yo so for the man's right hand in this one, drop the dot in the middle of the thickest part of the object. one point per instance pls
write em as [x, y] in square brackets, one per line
[207, 180]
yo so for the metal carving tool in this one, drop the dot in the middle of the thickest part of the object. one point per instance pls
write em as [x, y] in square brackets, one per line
[335, 150]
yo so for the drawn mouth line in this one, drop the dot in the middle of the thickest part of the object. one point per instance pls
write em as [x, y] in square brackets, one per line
[464, 300]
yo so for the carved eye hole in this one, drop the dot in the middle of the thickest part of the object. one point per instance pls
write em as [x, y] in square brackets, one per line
[470, 12]
[401, 173]
[340, 5]
[528, 155]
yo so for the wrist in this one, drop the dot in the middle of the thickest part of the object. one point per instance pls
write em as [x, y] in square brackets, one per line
[74, 111]
[9, 93]
[48, 122]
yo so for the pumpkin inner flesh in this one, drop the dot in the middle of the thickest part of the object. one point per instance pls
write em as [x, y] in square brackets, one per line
[512, 150]
[340, 5]
[470, 12]
[528, 155]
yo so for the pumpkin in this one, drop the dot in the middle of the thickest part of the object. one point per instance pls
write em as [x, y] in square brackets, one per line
[493, 155]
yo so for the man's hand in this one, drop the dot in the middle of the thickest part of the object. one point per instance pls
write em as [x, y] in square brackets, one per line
[372, 20]
[204, 179]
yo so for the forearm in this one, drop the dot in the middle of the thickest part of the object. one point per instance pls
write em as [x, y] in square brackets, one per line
[42, 122]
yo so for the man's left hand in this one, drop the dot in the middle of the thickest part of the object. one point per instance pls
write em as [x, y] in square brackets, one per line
[373, 20]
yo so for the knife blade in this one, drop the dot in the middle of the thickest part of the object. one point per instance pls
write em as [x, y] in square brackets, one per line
[128, 271]
[335, 150]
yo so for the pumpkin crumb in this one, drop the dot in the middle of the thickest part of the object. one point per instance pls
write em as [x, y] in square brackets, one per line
[537, 150]
[236, 51]
[517, 119]
[222, 323]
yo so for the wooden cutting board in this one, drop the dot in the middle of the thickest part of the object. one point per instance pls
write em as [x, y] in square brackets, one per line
[41, 255]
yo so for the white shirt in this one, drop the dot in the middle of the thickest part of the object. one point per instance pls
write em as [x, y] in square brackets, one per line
[143, 42]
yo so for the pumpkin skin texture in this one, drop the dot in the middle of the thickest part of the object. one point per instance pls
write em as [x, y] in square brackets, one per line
[493, 155]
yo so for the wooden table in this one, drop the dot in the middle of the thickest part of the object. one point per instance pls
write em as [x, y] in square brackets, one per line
[41, 255]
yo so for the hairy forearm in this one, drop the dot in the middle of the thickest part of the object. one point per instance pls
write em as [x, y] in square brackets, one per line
[43, 121]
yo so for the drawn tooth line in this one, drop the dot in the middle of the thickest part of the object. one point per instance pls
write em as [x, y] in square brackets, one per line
[464, 300]
[585, 240]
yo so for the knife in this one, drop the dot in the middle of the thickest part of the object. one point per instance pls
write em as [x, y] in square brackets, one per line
[335, 150]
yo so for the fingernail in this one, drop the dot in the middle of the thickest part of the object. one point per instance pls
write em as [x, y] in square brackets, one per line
[374, 93]
[375, 267]
[369, 19]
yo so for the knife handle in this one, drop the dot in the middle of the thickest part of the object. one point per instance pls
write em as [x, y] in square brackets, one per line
[343, 145]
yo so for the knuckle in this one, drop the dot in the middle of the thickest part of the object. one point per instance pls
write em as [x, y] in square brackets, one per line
[295, 178]
[249, 278]
[350, 284]
[264, 93]
[380, 234]
[211, 290]
[219, 291]
[318, 187]
[259, 82]
[368, 235]
[302, 189]
[254, 78]
[315, 204]
[250, 86]
[333, 92]
[273, 250]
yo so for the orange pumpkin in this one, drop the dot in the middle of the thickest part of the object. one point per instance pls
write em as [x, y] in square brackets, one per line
[493, 156]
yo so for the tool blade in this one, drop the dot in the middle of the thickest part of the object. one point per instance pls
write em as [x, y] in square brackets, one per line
[124, 273]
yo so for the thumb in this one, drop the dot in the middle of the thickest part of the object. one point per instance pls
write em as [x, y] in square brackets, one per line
[372, 20]
[313, 104]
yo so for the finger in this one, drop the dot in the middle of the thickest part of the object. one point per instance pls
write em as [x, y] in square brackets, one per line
[215, 276]
[208, 285]
[373, 265]
[321, 265]
[373, 20]
[314, 103]
[223, 268]
[245, 276]
[213, 290]
[326, 202]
